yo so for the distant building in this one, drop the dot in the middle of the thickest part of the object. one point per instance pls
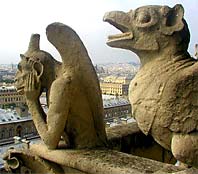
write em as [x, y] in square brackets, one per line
[116, 108]
[118, 79]
[115, 85]
[12, 124]
[9, 96]
[114, 88]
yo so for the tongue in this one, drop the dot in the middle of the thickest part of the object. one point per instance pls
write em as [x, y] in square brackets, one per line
[128, 35]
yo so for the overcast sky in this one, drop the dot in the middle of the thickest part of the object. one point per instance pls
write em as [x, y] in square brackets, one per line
[20, 18]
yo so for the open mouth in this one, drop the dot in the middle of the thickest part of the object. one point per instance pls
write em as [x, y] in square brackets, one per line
[125, 35]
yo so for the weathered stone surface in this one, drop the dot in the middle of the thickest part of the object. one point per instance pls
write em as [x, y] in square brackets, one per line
[25, 162]
[164, 91]
[72, 89]
[89, 161]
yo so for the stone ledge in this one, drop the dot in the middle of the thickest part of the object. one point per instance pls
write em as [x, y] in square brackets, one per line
[102, 161]
[128, 138]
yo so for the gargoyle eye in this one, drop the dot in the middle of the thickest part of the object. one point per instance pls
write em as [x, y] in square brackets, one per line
[143, 18]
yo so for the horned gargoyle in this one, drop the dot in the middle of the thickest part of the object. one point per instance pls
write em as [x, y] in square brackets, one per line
[72, 87]
[164, 93]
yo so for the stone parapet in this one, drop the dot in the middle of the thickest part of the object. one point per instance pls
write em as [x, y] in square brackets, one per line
[123, 138]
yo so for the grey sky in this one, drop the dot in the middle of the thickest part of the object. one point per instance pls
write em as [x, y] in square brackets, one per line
[20, 18]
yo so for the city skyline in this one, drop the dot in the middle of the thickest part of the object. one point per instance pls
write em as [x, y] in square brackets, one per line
[22, 18]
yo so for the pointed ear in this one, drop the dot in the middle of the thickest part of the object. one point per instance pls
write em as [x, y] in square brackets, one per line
[173, 20]
[38, 66]
[23, 57]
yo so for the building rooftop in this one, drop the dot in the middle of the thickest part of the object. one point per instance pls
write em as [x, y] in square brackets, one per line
[10, 116]
[112, 102]
[7, 88]
[118, 79]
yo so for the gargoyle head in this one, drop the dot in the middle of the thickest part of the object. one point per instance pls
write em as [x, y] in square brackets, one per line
[34, 60]
[149, 28]
[25, 67]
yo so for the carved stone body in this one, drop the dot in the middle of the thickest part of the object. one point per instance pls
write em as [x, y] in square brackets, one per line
[73, 93]
[164, 93]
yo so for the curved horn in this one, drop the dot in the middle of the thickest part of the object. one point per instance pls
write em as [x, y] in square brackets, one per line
[173, 19]
[34, 43]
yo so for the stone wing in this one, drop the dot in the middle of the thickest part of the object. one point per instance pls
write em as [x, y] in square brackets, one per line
[185, 107]
[74, 54]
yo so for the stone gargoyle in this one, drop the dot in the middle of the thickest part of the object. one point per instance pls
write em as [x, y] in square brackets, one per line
[164, 93]
[72, 89]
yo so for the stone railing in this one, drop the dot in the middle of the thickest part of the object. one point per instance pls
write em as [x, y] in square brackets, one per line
[128, 153]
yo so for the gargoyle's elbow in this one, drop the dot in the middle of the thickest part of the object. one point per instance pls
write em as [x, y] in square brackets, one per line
[50, 144]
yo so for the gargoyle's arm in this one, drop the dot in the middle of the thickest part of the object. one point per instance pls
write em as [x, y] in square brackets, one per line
[52, 129]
